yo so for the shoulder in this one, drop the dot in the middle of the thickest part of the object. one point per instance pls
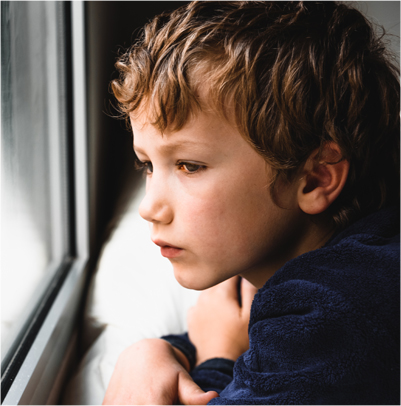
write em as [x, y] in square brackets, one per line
[325, 328]
[358, 268]
[337, 303]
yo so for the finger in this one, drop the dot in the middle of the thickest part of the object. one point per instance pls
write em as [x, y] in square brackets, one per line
[230, 288]
[248, 292]
[189, 393]
[202, 399]
[207, 397]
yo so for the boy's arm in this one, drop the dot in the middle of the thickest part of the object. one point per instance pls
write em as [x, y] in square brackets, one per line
[218, 328]
[218, 324]
[212, 375]
[152, 371]
[182, 343]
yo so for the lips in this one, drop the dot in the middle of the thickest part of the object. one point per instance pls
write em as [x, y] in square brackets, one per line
[167, 250]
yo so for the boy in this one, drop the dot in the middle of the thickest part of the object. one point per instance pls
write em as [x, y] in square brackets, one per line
[269, 132]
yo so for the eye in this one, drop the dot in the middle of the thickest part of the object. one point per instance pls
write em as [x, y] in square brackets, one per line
[144, 165]
[190, 168]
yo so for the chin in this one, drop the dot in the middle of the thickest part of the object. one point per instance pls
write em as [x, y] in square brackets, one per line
[191, 280]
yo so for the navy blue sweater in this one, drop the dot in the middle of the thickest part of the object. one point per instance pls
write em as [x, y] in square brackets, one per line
[325, 329]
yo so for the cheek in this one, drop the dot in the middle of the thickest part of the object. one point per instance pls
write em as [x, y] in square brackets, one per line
[224, 218]
[202, 217]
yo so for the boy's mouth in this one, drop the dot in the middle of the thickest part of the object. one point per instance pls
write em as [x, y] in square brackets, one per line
[167, 250]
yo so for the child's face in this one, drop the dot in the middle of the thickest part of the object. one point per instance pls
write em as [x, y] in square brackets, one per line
[207, 196]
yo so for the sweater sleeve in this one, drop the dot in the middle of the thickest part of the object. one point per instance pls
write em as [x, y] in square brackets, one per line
[182, 342]
[213, 374]
[309, 345]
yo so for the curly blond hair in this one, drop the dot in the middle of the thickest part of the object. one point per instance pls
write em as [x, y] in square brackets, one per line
[297, 74]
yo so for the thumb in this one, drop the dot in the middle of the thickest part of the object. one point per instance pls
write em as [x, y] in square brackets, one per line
[189, 393]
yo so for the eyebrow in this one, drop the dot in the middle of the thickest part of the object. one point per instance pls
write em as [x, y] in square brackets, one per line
[170, 147]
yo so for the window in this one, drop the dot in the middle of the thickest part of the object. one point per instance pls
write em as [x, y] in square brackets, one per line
[34, 155]
[44, 191]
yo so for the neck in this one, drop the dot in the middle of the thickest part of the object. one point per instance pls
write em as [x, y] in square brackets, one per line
[315, 236]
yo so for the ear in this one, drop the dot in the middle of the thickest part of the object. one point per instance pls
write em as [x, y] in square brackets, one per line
[323, 178]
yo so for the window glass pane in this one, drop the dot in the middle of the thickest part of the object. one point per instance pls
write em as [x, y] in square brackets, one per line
[33, 160]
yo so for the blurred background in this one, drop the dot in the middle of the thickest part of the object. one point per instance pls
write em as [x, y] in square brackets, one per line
[67, 170]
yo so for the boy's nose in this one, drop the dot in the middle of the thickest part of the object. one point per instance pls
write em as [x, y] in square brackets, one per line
[155, 206]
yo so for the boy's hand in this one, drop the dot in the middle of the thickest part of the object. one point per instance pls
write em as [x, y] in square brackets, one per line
[217, 325]
[153, 372]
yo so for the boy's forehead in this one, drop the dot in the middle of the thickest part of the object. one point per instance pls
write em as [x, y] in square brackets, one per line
[202, 131]
[191, 136]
